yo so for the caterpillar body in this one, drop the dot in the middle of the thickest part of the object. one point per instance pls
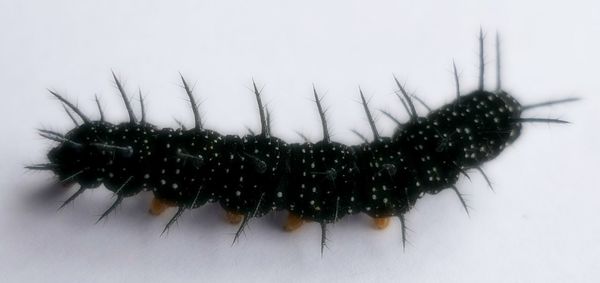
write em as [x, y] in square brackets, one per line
[252, 175]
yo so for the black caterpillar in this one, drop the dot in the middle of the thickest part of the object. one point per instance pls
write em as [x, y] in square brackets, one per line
[255, 174]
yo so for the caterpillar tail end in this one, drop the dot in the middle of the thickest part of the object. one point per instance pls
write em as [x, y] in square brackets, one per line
[157, 207]
[293, 223]
[381, 223]
[234, 218]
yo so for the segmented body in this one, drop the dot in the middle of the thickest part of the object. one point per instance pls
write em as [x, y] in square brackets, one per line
[258, 173]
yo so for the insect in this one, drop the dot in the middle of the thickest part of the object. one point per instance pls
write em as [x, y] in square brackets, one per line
[252, 175]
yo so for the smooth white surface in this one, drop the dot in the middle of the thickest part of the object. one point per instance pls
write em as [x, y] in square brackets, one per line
[541, 224]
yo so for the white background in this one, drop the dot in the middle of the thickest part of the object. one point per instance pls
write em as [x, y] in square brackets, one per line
[541, 224]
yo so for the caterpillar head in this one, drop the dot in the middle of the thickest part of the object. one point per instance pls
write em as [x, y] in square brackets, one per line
[73, 159]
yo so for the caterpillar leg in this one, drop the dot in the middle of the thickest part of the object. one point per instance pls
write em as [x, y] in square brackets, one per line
[157, 207]
[293, 222]
[381, 222]
[234, 218]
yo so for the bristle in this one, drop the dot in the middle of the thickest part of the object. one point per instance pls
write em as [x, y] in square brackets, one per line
[142, 107]
[268, 121]
[387, 114]
[110, 209]
[130, 112]
[456, 81]
[404, 104]
[462, 200]
[422, 102]
[498, 64]
[66, 102]
[71, 116]
[173, 220]
[549, 103]
[51, 133]
[118, 191]
[361, 136]
[326, 137]
[73, 197]
[100, 109]
[60, 139]
[403, 230]
[181, 125]
[189, 92]
[323, 237]
[72, 177]
[127, 151]
[42, 167]
[259, 165]
[240, 229]
[369, 116]
[412, 112]
[197, 159]
[261, 111]
[541, 120]
[481, 60]
[303, 136]
[487, 180]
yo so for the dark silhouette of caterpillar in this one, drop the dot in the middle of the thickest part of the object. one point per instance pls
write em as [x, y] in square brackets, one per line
[255, 174]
